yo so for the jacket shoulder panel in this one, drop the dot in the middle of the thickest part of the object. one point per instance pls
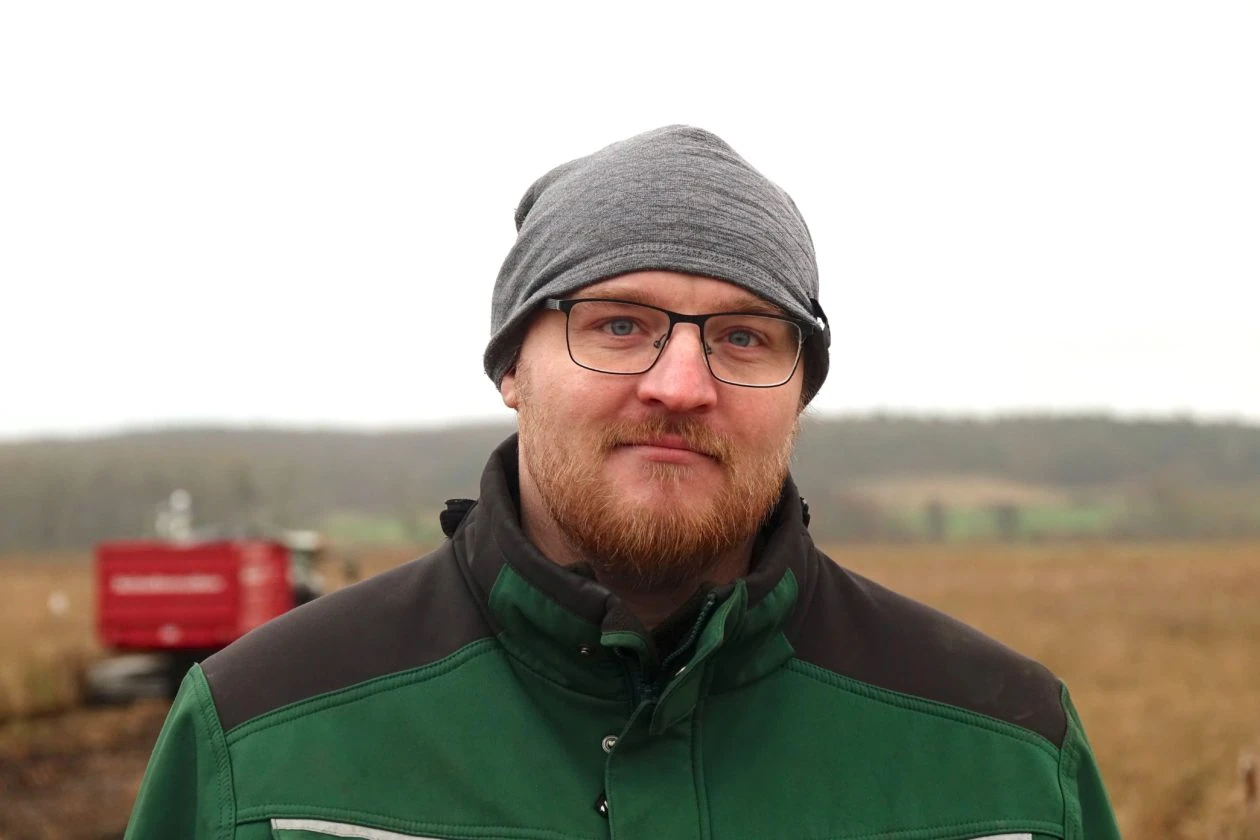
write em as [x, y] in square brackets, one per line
[854, 627]
[401, 619]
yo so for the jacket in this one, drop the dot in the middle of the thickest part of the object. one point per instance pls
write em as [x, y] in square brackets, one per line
[483, 691]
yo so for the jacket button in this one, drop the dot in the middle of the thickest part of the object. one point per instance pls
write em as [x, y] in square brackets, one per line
[609, 742]
[586, 650]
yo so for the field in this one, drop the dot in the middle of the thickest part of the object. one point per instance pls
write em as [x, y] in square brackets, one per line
[1160, 645]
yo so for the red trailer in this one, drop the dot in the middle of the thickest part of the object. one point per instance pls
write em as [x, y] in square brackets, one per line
[178, 602]
[159, 596]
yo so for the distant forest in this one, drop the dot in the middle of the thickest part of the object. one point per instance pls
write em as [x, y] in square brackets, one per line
[1050, 477]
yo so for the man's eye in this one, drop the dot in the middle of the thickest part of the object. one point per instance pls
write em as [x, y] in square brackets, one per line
[620, 326]
[742, 338]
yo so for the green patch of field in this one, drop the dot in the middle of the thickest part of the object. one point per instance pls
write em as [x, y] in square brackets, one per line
[1030, 521]
[363, 529]
[1092, 520]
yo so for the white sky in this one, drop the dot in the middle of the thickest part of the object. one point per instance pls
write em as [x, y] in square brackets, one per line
[295, 212]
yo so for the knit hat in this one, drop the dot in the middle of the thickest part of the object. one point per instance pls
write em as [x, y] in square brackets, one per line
[674, 199]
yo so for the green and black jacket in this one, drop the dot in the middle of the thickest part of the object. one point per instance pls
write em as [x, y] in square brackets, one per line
[484, 692]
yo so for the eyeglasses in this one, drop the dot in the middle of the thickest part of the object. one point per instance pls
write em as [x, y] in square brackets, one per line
[740, 348]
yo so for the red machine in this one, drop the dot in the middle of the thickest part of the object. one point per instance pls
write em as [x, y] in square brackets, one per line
[177, 602]
[203, 596]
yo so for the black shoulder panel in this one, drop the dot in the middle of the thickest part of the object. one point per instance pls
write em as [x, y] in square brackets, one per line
[400, 619]
[857, 628]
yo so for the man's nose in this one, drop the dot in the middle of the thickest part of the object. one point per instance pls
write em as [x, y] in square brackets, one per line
[680, 380]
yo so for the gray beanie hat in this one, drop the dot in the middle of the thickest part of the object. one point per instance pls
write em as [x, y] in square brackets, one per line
[674, 199]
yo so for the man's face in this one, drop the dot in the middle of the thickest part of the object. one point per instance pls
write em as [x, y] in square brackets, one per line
[651, 476]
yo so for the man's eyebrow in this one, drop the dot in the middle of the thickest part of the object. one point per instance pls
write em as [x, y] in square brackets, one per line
[751, 303]
[739, 303]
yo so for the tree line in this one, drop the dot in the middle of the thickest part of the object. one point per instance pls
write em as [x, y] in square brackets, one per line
[1180, 478]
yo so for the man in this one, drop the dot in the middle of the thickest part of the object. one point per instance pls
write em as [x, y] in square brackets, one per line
[630, 634]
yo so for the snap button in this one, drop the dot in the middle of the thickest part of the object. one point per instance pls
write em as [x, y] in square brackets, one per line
[609, 742]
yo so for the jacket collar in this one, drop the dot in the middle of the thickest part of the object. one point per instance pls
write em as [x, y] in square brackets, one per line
[575, 631]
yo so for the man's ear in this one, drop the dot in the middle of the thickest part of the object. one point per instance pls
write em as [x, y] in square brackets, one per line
[507, 389]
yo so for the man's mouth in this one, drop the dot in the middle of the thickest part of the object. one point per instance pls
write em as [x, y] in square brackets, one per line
[674, 442]
[679, 443]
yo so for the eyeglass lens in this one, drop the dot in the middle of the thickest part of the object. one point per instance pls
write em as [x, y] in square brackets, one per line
[615, 337]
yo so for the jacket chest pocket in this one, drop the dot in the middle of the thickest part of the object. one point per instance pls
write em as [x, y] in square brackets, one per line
[288, 829]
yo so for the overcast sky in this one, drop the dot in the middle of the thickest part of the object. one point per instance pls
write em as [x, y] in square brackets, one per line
[295, 212]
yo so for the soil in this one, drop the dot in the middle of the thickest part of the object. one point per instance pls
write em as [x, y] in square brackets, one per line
[74, 776]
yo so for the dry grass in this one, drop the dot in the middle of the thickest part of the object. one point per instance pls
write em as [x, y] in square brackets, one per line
[42, 654]
[1160, 645]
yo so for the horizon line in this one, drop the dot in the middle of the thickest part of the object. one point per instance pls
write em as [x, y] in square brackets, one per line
[456, 423]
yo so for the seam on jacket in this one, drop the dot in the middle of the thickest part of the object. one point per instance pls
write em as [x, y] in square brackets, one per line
[256, 813]
[1069, 766]
[385, 682]
[542, 675]
[480, 599]
[1063, 789]
[697, 759]
[808, 591]
[218, 746]
[494, 537]
[939, 831]
[920, 704]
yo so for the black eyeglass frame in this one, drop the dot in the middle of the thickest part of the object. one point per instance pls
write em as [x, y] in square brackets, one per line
[565, 305]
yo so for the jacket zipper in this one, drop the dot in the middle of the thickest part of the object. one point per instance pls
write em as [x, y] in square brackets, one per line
[632, 677]
[643, 689]
[709, 601]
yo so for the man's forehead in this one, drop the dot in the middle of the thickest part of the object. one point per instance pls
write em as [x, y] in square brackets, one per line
[671, 290]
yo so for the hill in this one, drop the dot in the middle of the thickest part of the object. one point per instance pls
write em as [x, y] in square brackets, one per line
[865, 477]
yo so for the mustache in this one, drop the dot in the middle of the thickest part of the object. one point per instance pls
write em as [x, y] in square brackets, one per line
[695, 434]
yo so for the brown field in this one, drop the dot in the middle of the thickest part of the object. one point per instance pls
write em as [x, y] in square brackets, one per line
[1160, 645]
